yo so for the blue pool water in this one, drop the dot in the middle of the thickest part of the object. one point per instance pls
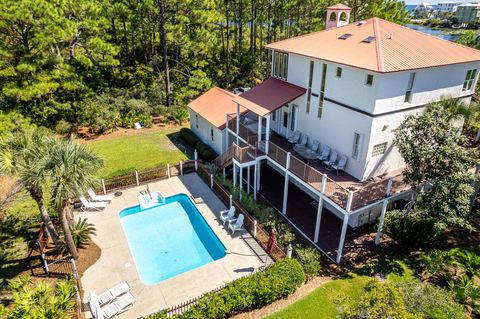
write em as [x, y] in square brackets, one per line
[169, 239]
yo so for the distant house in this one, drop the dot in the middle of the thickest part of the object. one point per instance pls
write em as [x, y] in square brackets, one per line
[423, 10]
[448, 6]
[347, 89]
[468, 13]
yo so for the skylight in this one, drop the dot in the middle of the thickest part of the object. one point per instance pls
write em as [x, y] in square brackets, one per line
[345, 36]
[369, 39]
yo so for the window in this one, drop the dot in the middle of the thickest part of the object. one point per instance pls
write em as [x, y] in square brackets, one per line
[469, 80]
[339, 72]
[369, 39]
[379, 149]
[357, 140]
[292, 117]
[309, 91]
[408, 93]
[274, 116]
[369, 80]
[280, 65]
[285, 119]
[345, 36]
[196, 120]
[322, 91]
[211, 133]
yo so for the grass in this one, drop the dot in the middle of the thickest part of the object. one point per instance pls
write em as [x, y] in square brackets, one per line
[321, 302]
[125, 153]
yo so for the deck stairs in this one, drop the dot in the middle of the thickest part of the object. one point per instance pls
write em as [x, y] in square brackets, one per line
[242, 155]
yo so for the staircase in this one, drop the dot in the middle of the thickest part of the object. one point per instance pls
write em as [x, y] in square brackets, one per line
[240, 154]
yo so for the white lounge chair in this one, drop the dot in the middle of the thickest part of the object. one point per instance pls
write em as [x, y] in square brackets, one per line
[295, 138]
[314, 148]
[118, 306]
[340, 166]
[236, 224]
[113, 293]
[92, 205]
[325, 153]
[228, 214]
[99, 198]
[332, 160]
[303, 142]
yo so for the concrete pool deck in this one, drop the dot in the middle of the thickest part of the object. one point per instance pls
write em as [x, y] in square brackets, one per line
[116, 262]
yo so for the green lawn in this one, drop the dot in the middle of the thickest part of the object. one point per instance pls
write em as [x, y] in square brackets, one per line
[320, 304]
[149, 149]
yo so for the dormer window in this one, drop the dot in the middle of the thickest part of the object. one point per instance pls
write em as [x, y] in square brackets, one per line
[345, 36]
[369, 39]
[280, 65]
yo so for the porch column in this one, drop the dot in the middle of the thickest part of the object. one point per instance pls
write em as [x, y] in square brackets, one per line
[259, 175]
[342, 237]
[259, 129]
[234, 175]
[226, 132]
[255, 181]
[248, 179]
[285, 186]
[267, 133]
[241, 179]
[289, 122]
[320, 208]
[380, 223]
[238, 121]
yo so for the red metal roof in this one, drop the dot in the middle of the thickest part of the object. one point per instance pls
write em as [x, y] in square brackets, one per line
[268, 96]
[339, 6]
[394, 48]
[213, 106]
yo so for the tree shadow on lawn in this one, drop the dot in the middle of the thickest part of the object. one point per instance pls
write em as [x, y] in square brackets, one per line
[385, 266]
[181, 144]
[17, 233]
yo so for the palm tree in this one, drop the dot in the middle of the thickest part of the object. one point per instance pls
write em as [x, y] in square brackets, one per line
[21, 154]
[71, 170]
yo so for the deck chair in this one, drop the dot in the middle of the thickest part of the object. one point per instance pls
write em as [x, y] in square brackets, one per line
[340, 166]
[325, 153]
[120, 305]
[236, 224]
[99, 198]
[92, 205]
[303, 142]
[314, 148]
[295, 138]
[228, 214]
[332, 160]
[113, 293]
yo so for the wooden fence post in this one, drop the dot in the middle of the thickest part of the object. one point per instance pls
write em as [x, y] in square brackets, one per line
[211, 181]
[181, 168]
[168, 171]
[136, 178]
[255, 228]
[103, 187]
[231, 200]
[289, 251]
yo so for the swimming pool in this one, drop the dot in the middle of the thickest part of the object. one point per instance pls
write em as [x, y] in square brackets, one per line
[169, 239]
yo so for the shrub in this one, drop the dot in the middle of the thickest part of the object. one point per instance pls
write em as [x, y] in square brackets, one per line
[81, 231]
[276, 281]
[409, 231]
[40, 300]
[205, 151]
[12, 121]
[201, 147]
[64, 128]
[179, 114]
[188, 136]
[309, 257]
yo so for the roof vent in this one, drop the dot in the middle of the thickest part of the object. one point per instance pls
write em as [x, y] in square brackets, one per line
[345, 36]
[360, 23]
[369, 39]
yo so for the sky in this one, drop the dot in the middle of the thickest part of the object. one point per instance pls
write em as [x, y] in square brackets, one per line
[436, 1]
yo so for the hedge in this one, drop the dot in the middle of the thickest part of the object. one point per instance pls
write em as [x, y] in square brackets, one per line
[277, 281]
[205, 151]
[188, 136]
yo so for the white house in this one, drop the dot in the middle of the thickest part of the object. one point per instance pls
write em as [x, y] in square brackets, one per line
[448, 6]
[347, 87]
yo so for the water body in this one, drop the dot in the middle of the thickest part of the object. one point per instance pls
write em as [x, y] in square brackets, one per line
[441, 33]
